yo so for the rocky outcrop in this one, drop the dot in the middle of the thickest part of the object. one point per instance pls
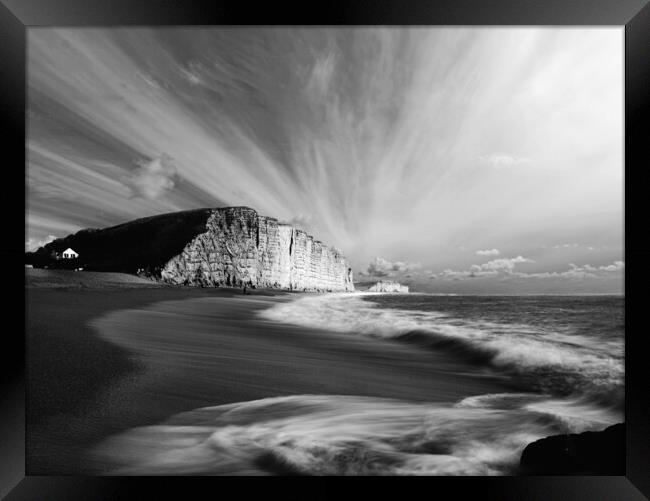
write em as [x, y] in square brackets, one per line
[232, 246]
[388, 286]
[588, 453]
[240, 247]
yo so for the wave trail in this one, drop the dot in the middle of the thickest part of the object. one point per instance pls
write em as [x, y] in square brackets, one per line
[543, 360]
[343, 435]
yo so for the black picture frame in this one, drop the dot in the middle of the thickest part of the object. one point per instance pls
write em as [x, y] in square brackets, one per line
[16, 16]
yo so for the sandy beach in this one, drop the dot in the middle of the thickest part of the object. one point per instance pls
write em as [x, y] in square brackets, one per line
[70, 368]
[109, 356]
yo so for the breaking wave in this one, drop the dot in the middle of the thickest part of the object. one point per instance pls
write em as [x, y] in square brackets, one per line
[568, 383]
[346, 435]
[561, 363]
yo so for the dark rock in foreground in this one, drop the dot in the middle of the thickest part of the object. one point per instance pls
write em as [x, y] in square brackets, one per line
[588, 453]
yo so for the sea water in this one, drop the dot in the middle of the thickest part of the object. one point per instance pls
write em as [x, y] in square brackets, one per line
[563, 355]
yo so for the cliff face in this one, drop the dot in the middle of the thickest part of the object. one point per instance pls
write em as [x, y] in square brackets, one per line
[205, 247]
[382, 286]
[240, 247]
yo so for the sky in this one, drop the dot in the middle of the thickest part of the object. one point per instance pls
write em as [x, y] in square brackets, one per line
[475, 160]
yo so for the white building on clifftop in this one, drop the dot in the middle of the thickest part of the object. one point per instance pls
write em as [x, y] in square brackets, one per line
[69, 254]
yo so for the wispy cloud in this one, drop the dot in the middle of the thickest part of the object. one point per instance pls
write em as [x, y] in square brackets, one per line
[301, 221]
[192, 73]
[488, 252]
[383, 268]
[505, 269]
[502, 266]
[321, 75]
[579, 272]
[500, 160]
[153, 178]
[615, 266]
[33, 244]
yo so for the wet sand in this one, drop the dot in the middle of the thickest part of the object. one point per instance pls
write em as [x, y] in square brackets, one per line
[105, 360]
[69, 368]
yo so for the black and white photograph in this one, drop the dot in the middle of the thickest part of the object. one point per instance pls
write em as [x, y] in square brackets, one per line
[325, 250]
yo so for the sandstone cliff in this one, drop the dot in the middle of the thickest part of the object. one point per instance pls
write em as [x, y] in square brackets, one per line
[388, 286]
[232, 246]
[240, 247]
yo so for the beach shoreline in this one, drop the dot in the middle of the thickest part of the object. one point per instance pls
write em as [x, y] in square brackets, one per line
[69, 366]
[129, 376]
[106, 358]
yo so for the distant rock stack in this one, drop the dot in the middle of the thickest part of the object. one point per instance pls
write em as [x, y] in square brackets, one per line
[388, 286]
[240, 247]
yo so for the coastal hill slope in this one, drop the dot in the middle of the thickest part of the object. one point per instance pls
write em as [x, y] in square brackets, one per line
[143, 244]
[231, 246]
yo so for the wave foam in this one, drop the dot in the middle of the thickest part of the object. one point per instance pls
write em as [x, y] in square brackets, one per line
[337, 435]
[550, 361]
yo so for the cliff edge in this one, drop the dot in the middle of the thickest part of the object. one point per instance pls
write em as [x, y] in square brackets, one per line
[231, 246]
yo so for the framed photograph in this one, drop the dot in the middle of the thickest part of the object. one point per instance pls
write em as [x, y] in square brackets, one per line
[369, 241]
